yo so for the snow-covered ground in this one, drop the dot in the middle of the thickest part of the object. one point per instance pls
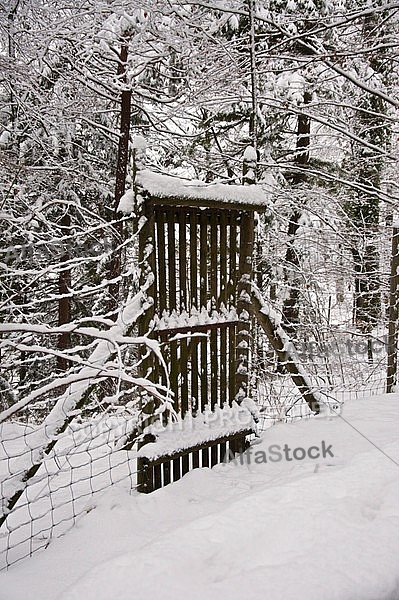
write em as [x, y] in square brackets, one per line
[315, 529]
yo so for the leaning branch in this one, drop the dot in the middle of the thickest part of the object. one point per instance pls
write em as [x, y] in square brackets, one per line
[283, 347]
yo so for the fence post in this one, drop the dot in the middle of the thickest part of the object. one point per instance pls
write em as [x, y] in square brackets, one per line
[249, 166]
[392, 350]
[247, 236]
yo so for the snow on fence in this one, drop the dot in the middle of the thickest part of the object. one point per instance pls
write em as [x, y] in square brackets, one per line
[85, 461]
[53, 464]
[279, 400]
[337, 367]
[89, 458]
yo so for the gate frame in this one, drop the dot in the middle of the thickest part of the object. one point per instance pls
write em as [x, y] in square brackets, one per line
[208, 211]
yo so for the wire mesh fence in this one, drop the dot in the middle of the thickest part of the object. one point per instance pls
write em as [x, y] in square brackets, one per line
[88, 457]
[280, 401]
[341, 364]
[85, 461]
[65, 383]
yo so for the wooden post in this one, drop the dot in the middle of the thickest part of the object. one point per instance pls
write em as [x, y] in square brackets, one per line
[243, 295]
[393, 312]
[183, 305]
[162, 303]
[232, 303]
[147, 267]
[172, 301]
[145, 474]
[247, 234]
[249, 166]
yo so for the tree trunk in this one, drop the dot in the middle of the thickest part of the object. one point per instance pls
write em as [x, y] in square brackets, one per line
[367, 167]
[253, 121]
[64, 303]
[292, 259]
[392, 352]
[115, 266]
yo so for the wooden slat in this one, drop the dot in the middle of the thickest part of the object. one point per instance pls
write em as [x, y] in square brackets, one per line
[157, 477]
[152, 257]
[203, 259]
[236, 437]
[223, 358]
[146, 236]
[167, 467]
[223, 259]
[232, 447]
[203, 301]
[185, 464]
[165, 333]
[176, 468]
[214, 455]
[162, 303]
[193, 260]
[231, 301]
[171, 260]
[194, 375]
[214, 300]
[153, 290]
[232, 363]
[244, 286]
[162, 296]
[183, 377]
[204, 203]
[183, 295]
[233, 250]
[205, 457]
[222, 450]
[194, 301]
[196, 460]
[174, 367]
[183, 306]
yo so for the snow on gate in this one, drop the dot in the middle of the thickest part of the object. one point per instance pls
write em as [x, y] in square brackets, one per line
[197, 243]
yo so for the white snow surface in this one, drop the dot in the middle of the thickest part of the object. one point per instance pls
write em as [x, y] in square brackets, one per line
[250, 154]
[166, 186]
[288, 530]
[139, 142]
[126, 203]
[191, 431]
[194, 318]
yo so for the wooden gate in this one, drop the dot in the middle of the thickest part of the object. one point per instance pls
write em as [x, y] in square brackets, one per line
[197, 246]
